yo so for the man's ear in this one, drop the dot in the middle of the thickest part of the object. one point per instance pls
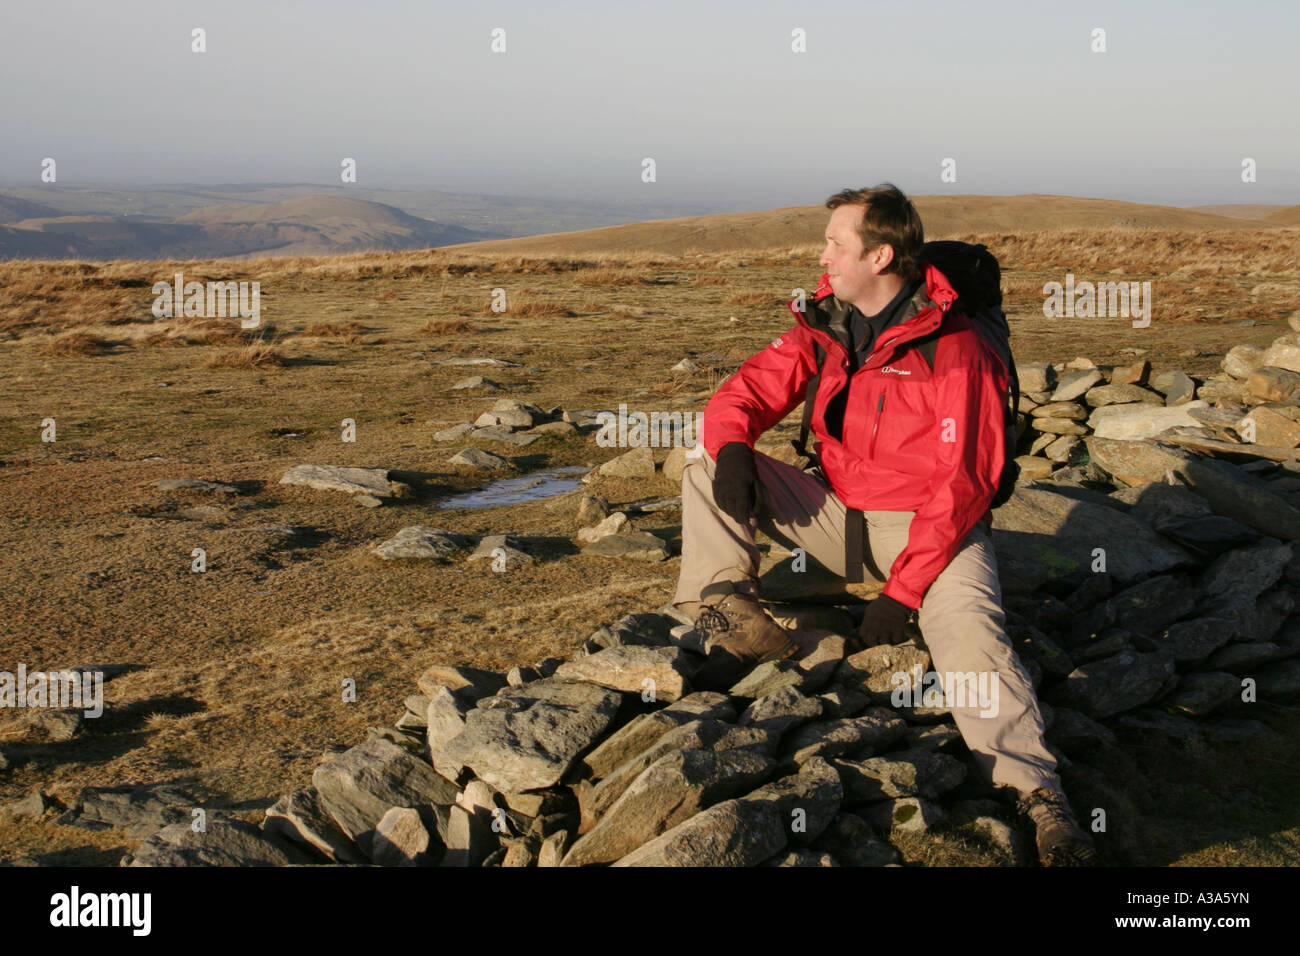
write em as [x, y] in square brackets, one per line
[881, 257]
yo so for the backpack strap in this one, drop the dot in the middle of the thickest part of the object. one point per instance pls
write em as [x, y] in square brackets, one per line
[801, 445]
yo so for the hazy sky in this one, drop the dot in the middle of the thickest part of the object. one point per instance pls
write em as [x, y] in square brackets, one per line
[711, 91]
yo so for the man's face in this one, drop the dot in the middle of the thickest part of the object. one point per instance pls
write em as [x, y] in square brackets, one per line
[852, 277]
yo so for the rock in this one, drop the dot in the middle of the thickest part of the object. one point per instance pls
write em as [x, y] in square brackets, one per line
[222, 843]
[1151, 604]
[781, 710]
[875, 667]
[500, 547]
[1115, 684]
[611, 525]
[1119, 394]
[1221, 391]
[731, 833]
[1177, 387]
[405, 837]
[1058, 426]
[476, 458]
[301, 818]
[526, 738]
[637, 463]
[553, 849]
[668, 792]
[1035, 376]
[675, 464]
[1270, 428]
[418, 542]
[860, 736]
[372, 481]
[642, 630]
[801, 858]
[554, 428]
[45, 725]
[359, 786]
[1140, 420]
[1273, 384]
[1041, 442]
[476, 381]
[1242, 360]
[454, 433]
[1134, 374]
[139, 810]
[502, 434]
[660, 673]
[704, 734]
[508, 418]
[522, 851]
[1032, 467]
[907, 773]
[639, 734]
[1134, 462]
[906, 815]
[1063, 448]
[768, 678]
[1004, 838]
[592, 509]
[1234, 730]
[470, 838]
[1283, 353]
[30, 807]
[1043, 536]
[686, 365]
[193, 484]
[1075, 383]
[854, 843]
[1234, 494]
[1207, 537]
[634, 546]
[807, 801]
[1244, 658]
[1280, 681]
[1073, 731]
[1200, 694]
[493, 362]
[467, 683]
[1146, 724]
[1070, 410]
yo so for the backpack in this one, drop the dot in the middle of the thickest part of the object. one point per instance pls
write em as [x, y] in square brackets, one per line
[977, 278]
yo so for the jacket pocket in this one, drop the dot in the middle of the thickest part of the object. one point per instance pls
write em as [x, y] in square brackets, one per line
[875, 426]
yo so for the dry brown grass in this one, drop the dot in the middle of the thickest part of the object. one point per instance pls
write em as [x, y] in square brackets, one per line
[532, 309]
[334, 329]
[755, 298]
[447, 327]
[76, 343]
[253, 355]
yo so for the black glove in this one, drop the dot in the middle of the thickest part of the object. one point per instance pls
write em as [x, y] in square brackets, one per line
[735, 483]
[884, 622]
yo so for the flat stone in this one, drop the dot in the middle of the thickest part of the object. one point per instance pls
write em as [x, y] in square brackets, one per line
[1058, 426]
[875, 668]
[633, 546]
[1280, 681]
[454, 433]
[1134, 462]
[1235, 494]
[193, 484]
[372, 481]
[1063, 448]
[905, 815]
[907, 773]
[477, 458]
[1270, 427]
[418, 542]
[509, 418]
[731, 833]
[138, 810]
[781, 710]
[1071, 410]
[1033, 467]
[1041, 536]
[637, 463]
[1139, 420]
[675, 464]
[360, 785]
[1134, 374]
[1075, 383]
[300, 817]
[526, 738]
[853, 842]
[668, 792]
[1122, 393]
[1202, 693]
[1073, 730]
[662, 673]
[641, 732]
[476, 381]
[1115, 684]
[1035, 376]
[500, 548]
[860, 736]
[470, 840]
[808, 801]
[554, 428]
[223, 842]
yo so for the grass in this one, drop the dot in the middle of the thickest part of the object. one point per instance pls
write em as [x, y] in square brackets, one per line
[242, 664]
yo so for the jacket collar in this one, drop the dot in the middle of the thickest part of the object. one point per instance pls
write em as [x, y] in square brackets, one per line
[828, 315]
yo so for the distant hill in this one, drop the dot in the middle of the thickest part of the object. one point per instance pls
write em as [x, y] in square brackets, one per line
[13, 209]
[1286, 216]
[308, 225]
[800, 225]
[1240, 210]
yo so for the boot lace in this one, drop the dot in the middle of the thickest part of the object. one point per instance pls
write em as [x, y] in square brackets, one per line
[711, 622]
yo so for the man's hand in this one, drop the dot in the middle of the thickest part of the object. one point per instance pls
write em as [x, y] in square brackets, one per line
[735, 483]
[884, 622]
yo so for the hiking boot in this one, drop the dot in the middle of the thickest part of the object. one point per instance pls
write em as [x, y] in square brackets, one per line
[1061, 842]
[738, 635]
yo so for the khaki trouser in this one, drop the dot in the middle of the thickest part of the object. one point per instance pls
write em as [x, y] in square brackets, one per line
[960, 618]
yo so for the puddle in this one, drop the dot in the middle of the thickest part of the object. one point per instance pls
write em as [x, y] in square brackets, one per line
[514, 491]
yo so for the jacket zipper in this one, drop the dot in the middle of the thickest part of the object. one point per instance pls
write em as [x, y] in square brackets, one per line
[880, 407]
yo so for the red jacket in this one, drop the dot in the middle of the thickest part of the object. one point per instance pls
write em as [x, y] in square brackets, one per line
[915, 438]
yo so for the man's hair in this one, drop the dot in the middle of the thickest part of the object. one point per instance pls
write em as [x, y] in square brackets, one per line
[890, 217]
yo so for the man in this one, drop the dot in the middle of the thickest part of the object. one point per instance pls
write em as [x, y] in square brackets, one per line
[908, 417]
